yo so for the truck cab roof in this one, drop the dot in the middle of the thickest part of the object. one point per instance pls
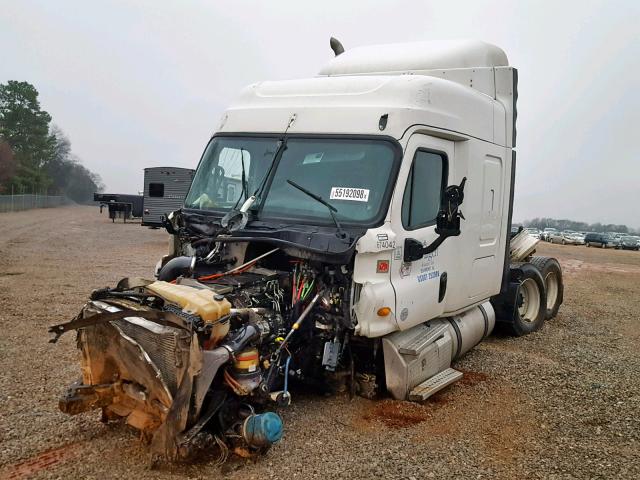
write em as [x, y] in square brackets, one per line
[353, 92]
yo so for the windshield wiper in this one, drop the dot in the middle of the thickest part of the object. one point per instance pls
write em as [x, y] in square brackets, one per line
[332, 210]
[282, 146]
[244, 194]
[238, 219]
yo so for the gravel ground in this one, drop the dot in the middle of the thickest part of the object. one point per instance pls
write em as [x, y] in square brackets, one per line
[563, 402]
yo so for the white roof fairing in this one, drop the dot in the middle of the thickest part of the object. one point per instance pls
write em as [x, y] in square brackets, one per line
[410, 57]
[354, 104]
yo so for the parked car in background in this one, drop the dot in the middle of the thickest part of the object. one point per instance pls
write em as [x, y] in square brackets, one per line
[602, 240]
[534, 232]
[629, 243]
[546, 234]
[565, 238]
[615, 241]
[579, 238]
[616, 236]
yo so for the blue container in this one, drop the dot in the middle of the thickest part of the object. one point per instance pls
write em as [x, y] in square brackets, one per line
[262, 430]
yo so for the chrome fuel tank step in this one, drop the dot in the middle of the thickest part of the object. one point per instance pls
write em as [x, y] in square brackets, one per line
[434, 384]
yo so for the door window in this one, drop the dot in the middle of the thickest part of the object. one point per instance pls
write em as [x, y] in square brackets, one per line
[424, 188]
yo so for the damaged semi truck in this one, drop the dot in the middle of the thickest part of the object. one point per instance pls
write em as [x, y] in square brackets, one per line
[348, 232]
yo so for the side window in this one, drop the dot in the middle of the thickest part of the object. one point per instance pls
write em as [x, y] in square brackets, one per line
[156, 189]
[423, 192]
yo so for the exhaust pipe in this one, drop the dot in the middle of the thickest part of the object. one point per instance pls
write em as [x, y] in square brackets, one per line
[336, 46]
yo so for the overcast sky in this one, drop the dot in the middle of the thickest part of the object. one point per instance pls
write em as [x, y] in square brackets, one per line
[140, 84]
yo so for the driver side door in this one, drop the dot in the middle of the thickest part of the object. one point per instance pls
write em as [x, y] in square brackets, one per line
[421, 182]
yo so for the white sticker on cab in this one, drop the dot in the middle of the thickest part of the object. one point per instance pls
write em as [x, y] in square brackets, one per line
[348, 193]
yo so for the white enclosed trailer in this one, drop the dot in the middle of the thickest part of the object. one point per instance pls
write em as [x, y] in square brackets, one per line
[165, 189]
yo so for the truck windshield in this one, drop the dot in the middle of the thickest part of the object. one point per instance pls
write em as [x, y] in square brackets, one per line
[353, 175]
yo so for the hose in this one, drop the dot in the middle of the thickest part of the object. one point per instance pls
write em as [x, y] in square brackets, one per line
[242, 268]
[286, 374]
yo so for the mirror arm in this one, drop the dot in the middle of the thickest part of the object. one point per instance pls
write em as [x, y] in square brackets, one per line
[433, 246]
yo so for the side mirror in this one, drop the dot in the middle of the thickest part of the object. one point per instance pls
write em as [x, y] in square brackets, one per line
[412, 250]
[447, 224]
[448, 219]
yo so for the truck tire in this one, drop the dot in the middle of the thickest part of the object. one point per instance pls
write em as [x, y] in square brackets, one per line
[551, 273]
[531, 300]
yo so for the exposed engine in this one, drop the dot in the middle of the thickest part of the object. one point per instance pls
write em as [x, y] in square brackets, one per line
[197, 358]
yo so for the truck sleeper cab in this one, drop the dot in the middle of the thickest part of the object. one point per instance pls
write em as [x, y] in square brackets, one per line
[445, 122]
[348, 231]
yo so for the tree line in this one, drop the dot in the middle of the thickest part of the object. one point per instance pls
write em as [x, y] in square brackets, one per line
[35, 155]
[564, 224]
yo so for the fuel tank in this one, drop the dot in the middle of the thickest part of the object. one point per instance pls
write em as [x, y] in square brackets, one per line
[415, 355]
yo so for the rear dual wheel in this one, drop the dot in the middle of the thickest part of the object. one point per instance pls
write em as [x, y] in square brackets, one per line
[529, 310]
[551, 273]
[539, 295]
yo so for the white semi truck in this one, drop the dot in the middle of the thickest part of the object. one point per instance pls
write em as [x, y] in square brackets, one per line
[345, 232]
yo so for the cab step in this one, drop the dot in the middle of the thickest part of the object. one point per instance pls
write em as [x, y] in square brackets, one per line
[434, 384]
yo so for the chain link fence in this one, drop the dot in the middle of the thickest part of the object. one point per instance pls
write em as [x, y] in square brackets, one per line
[16, 203]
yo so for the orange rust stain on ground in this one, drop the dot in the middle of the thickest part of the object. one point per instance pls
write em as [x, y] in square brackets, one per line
[397, 414]
[470, 378]
[401, 414]
[42, 461]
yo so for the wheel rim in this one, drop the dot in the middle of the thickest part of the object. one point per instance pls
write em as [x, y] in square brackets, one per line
[552, 287]
[530, 301]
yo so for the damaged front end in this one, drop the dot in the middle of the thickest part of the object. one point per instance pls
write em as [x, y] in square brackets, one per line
[155, 363]
[197, 359]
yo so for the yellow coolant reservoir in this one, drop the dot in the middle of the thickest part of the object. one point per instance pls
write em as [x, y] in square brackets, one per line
[195, 301]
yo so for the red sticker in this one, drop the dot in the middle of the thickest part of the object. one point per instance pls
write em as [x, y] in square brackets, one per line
[383, 266]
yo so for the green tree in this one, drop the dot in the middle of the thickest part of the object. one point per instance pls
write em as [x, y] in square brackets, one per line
[24, 126]
[35, 156]
[7, 166]
[564, 224]
[68, 175]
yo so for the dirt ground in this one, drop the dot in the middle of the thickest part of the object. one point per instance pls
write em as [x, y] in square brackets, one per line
[563, 402]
